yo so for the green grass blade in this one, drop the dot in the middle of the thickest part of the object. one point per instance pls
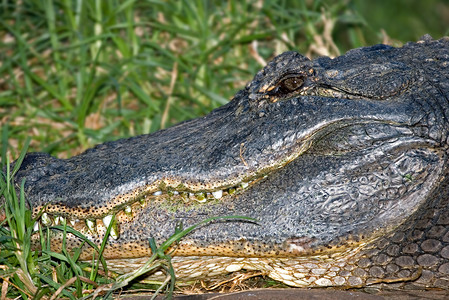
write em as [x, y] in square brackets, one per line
[183, 232]
[19, 160]
[82, 237]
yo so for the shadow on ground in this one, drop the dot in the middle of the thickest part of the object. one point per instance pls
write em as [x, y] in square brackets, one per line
[312, 294]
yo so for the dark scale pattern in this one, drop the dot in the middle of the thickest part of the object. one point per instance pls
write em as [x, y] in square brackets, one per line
[347, 165]
[420, 246]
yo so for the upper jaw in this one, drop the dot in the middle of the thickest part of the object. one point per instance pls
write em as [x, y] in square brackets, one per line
[240, 142]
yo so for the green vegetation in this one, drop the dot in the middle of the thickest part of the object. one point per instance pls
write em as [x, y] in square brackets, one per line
[404, 20]
[77, 73]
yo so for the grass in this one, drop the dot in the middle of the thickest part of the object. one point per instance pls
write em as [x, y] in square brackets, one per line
[76, 73]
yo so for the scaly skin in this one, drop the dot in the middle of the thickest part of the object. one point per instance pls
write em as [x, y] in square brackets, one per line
[343, 162]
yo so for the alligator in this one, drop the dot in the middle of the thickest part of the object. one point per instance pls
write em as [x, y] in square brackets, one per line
[343, 163]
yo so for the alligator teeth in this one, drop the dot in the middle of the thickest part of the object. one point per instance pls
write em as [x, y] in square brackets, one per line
[46, 220]
[200, 196]
[114, 230]
[172, 193]
[158, 193]
[218, 194]
[244, 185]
[91, 225]
[59, 220]
[128, 211]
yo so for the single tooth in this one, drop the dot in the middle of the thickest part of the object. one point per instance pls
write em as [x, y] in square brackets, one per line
[244, 185]
[91, 225]
[128, 211]
[158, 193]
[200, 196]
[218, 194]
[191, 194]
[46, 220]
[114, 228]
[36, 226]
[175, 193]
[73, 222]
[107, 220]
[231, 191]
[114, 233]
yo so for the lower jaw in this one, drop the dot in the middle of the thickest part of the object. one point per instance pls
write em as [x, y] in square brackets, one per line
[340, 271]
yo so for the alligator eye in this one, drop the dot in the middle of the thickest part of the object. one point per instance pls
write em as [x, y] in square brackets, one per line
[290, 84]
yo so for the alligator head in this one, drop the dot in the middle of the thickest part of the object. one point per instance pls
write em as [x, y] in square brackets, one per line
[338, 159]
